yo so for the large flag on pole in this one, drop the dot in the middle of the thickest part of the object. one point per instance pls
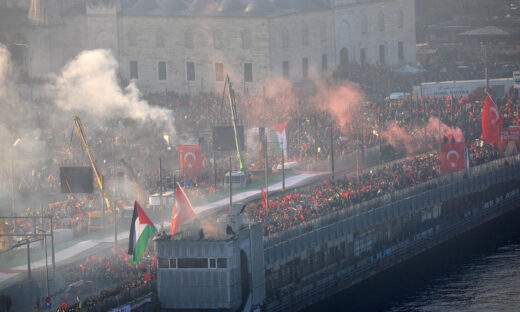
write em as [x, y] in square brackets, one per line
[141, 229]
[491, 122]
[182, 209]
[279, 139]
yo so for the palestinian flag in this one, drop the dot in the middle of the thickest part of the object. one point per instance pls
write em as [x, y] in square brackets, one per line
[141, 229]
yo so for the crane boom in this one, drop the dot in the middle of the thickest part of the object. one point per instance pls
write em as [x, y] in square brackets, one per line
[234, 119]
[99, 179]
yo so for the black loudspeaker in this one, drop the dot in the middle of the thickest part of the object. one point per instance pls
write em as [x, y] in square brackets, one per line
[261, 133]
[224, 138]
[77, 179]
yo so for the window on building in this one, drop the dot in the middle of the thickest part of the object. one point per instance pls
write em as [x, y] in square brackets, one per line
[190, 71]
[400, 50]
[134, 70]
[188, 39]
[363, 56]
[163, 263]
[219, 71]
[218, 40]
[132, 40]
[285, 69]
[305, 67]
[161, 70]
[212, 263]
[192, 263]
[400, 18]
[324, 63]
[221, 263]
[382, 53]
[305, 34]
[246, 39]
[159, 38]
[285, 37]
[173, 263]
[381, 21]
[248, 72]
[323, 33]
[364, 24]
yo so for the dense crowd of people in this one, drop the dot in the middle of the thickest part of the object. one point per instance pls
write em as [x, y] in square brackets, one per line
[308, 132]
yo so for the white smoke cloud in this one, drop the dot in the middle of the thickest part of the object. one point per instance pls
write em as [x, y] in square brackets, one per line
[88, 83]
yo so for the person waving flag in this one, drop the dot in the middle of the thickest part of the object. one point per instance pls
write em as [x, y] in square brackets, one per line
[141, 229]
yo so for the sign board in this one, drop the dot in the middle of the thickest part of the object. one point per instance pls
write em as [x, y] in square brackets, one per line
[464, 88]
[516, 79]
[48, 305]
[77, 180]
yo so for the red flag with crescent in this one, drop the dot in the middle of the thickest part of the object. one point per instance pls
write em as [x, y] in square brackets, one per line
[182, 209]
[452, 157]
[190, 160]
[491, 122]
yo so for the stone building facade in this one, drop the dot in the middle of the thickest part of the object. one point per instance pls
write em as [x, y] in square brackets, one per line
[188, 46]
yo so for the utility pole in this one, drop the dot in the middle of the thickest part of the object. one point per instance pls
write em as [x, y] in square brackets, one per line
[230, 183]
[266, 171]
[115, 182]
[160, 192]
[332, 150]
[283, 168]
[52, 244]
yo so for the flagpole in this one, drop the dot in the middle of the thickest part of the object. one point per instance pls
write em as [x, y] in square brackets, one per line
[160, 192]
[266, 171]
[283, 169]
[332, 150]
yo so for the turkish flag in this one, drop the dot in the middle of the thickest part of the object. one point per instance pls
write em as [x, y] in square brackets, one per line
[452, 157]
[190, 160]
[182, 209]
[491, 122]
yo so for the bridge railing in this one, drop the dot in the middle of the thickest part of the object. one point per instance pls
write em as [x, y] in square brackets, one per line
[370, 205]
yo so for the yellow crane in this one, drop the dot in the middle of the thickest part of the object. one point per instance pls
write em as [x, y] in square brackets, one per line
[95, 217]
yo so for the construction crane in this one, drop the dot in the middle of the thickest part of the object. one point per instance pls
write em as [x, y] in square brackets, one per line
[99, 178]
[130, 174]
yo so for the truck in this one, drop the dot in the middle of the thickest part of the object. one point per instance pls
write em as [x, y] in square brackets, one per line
[462, 88]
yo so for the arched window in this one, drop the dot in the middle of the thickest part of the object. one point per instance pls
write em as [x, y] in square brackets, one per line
[285, 37]
[343, 57]
[188, 39]
[364, 24]
[245, 39]
[381, 21]
[305, 34]
[218, 42]
[400, 18]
